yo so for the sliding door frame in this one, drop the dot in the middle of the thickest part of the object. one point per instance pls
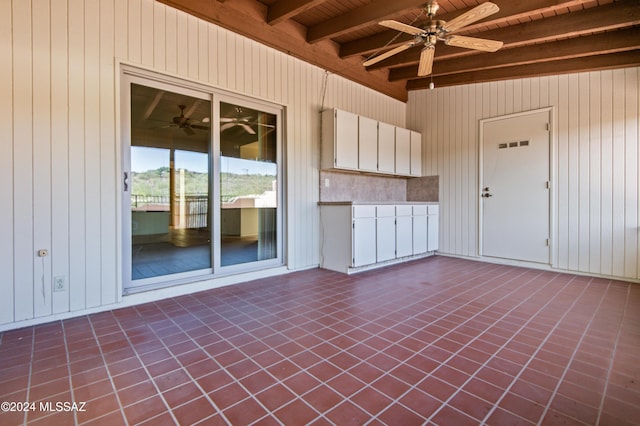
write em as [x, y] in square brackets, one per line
[132, 74]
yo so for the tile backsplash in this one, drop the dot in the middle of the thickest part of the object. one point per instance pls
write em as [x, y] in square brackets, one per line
[345, 186]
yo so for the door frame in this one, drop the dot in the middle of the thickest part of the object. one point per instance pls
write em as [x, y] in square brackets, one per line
[126, 73]
[552, 180]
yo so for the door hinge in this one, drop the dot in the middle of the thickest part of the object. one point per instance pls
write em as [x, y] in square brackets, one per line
[546, 242]
[547, 125]
[547, 184]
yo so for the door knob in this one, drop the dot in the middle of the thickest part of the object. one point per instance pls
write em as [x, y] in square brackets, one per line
[486, 195]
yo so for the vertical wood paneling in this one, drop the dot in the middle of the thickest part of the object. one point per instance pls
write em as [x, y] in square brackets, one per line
[632, 116]
[108, 190]
[582, 147]
[77, 168]
[595, 178]
[7, 224]
[170, 40]
[93, 207]
[595, 151]
[42, 158]
[24, 250]
[160, 50]
[59, 152]
[134, 26]
[606, 164]
[146, 32]
[61, 164]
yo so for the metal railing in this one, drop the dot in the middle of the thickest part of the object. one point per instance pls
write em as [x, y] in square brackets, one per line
[196, 208]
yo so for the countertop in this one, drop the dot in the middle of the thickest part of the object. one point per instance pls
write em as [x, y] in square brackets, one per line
[377, 203]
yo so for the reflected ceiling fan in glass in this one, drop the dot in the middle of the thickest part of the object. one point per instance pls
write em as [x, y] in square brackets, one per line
[243, 120]
[185, 123]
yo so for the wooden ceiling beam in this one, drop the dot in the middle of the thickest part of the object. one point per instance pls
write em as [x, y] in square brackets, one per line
[284, 9]
[598, 44]
[359, 18]
[620, 11]
[613, 16]
[565, 66]
[381, 9]
[248, 18]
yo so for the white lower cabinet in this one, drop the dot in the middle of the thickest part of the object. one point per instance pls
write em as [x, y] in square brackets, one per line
[419, 229]
[385, 233]
[433, 218]
[365, 236]
[404, 231]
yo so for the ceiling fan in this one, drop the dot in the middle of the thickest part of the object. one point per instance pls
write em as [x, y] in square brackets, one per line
[434, 30]
[246, 123]
[185, 123]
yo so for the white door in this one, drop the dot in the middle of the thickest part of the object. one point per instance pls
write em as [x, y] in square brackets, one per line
[515, 187]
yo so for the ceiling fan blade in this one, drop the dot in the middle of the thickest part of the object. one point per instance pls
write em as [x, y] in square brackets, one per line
[399, 26]
[227, 119]
[473, 43]
[189, 131]
[247, 128]
[426, 61]
[388, 54]
[262, 124]
[475, 14]
[227, 126]
[198, 127]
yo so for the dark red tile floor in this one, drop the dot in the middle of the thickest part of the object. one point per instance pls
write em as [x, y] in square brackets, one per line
[438, 341]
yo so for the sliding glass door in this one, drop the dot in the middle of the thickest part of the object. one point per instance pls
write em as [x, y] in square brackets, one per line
[201, 183]
[248, 185]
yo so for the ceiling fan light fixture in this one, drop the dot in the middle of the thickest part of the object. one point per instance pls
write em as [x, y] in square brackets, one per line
[431, 8]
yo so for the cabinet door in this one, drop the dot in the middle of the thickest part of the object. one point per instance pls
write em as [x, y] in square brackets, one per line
[346, 140]
[403, 151]
[386, 148]
[404, 231]
[364, 235]
[416, 154]
[385, 232]
[367, 144]
[419, 229]
[433, 228]
[364, 241]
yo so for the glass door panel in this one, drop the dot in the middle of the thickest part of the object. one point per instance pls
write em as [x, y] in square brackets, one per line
[169, 184]
[248, 185]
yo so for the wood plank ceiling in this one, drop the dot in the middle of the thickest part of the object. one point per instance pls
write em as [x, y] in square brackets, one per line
[541, 37]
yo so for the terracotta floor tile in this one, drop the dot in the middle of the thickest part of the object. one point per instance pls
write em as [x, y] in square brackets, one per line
[194, 411]
[182, 394]
[228, 395]
[347, 414]
[318, 347]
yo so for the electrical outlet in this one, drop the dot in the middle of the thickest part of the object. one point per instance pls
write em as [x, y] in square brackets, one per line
[59, 283]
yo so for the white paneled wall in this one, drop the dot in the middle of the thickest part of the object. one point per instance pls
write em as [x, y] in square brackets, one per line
[59, 162]
[596, 162]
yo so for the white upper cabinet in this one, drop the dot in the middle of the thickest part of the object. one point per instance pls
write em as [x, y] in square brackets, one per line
[403, 151]
[367, 144]
[340, 140]
[416, 154]
[386, 148]
[359, 143]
